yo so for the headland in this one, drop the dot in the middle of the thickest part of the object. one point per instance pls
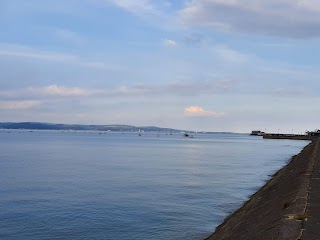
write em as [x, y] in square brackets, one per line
[286, 207]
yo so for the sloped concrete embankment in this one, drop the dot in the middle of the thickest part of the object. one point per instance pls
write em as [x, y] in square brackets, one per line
[278, 209]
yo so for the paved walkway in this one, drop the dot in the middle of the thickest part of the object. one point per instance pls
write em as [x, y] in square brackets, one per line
[312, 224]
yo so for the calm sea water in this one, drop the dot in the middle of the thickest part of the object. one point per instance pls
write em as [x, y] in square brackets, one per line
[76, 185]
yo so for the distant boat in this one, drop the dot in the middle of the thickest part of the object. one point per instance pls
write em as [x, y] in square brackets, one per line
[188, 135]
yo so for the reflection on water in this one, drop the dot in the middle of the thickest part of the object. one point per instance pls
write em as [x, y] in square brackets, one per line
[76, 185]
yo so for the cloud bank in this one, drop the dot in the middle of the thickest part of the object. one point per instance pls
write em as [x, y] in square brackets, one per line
[174, 89]
[289, 18]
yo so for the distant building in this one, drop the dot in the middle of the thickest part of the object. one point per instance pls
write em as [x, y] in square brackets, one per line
[315, 133]
[257, 133]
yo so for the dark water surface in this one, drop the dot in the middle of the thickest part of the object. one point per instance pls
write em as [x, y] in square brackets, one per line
[76, 185]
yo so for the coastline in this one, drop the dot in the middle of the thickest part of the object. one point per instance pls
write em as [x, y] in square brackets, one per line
[279, 208]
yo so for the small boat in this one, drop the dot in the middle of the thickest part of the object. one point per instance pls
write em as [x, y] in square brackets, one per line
[188, 135]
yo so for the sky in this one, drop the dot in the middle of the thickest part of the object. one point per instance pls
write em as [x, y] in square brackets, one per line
[203, 65]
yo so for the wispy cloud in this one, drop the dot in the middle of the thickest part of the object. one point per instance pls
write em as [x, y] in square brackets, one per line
[26, 52]
[196, 111]
[185, 88]
[69, 36]
[138, 7]
[49, 91]
[194, 39]
[230, 55]
[288, 91]
[169, 42]
[62, 91]
[153, 12]
[272, 17]
[173, 89]
[19, 105]
[39, 55]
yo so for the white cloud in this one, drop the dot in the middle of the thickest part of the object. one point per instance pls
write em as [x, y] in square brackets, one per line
[169, 43]
[18, 105]
[290, 18]
[62, 91]
[195, 111]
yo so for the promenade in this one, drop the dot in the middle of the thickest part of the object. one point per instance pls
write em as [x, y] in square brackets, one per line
[311, 226]
[287, 207]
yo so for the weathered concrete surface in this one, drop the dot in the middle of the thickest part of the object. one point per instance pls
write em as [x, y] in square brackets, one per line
[311, 225]
[277, 210]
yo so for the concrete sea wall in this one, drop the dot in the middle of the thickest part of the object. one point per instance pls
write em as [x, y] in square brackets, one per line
[279, 210]
[288, 136]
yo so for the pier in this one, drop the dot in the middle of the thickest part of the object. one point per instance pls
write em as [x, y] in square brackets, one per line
[288, 136]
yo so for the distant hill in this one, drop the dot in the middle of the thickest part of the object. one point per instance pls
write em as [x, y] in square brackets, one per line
[52, 126]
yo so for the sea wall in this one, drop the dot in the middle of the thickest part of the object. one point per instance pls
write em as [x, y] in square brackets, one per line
[278, 209]
[288, 136]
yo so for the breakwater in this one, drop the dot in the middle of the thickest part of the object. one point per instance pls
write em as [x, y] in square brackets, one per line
[280, 208]
[288, 136]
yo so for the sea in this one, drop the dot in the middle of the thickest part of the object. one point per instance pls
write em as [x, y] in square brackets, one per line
[112, 185]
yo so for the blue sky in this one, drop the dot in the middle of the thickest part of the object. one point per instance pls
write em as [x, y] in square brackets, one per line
[205, 65]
